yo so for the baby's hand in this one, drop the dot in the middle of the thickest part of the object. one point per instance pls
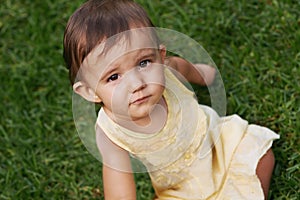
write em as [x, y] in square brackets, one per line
[207, 72]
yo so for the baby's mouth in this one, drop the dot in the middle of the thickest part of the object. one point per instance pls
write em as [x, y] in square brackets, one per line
[140, 100]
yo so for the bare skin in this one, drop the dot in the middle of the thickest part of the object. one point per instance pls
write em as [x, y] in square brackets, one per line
[201, 74]
[264, 171]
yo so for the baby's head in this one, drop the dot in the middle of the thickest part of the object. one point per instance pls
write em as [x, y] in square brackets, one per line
[95, 21]
[105, 38]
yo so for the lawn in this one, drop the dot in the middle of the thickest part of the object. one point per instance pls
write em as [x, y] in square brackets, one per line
[255, 44]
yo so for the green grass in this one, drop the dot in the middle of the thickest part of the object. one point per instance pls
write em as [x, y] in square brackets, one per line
[254, 43]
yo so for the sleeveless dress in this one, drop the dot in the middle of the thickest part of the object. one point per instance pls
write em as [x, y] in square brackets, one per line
[197, 154]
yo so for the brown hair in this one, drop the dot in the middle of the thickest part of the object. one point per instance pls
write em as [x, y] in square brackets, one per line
[95, 21]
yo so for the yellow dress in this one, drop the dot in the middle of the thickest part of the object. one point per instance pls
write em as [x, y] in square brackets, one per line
[197, 154]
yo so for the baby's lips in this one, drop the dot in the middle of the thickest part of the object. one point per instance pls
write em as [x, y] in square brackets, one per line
[141, 99]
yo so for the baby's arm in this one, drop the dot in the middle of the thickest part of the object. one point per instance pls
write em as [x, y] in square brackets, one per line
[118, 181]
[201, 74]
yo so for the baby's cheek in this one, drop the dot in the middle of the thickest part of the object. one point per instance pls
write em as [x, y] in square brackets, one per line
[156, 76]
[119, 100]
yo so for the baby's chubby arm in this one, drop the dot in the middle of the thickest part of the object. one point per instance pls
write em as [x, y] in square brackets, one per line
[118, 181]
[201, 74]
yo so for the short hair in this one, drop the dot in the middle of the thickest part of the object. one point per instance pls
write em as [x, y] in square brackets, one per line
[95, 21]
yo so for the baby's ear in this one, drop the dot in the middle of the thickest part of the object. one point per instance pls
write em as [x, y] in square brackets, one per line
[86, 92]
[162, 52]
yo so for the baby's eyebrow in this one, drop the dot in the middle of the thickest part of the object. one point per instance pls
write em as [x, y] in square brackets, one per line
[145, 53]
[110, 69]
[141, 54]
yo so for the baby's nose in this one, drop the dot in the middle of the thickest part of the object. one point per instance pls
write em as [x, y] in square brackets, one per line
[139, 87]
[135, 81]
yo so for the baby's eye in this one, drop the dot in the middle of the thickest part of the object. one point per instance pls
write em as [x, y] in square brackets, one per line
[113, 77]
[144, 63]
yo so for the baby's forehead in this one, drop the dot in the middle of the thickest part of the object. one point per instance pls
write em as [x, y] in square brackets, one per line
[125, 43]
[116, 55]
[113, 48]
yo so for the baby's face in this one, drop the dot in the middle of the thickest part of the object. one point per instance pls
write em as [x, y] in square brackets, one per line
[128, 79]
